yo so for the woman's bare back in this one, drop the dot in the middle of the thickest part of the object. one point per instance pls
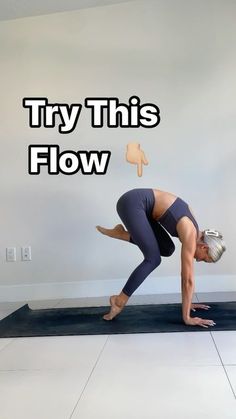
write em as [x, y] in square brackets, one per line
[163, 200]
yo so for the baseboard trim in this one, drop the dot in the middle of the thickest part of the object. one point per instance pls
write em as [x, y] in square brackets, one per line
[103, 288]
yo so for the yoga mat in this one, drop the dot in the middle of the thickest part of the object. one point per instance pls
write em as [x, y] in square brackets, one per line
[151, 318]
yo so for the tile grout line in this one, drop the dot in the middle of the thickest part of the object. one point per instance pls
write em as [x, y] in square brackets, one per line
[221, 359]
[223, 366]
[82, 392]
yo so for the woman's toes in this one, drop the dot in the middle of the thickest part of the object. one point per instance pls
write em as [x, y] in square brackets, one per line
[102, 229]
[107, 316]
[115, 309]
[113, 313]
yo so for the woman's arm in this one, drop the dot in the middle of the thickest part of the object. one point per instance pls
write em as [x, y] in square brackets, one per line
[187, 277]
[187, 285]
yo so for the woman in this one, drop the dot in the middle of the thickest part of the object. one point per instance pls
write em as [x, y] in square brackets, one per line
[148, 215]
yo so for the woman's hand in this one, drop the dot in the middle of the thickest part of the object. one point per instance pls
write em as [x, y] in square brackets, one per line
[197, 321]
[199, 306]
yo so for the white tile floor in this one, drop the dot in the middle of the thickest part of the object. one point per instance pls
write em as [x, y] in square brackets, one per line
[139, 376]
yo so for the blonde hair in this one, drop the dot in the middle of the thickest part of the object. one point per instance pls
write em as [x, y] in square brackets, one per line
[214, 241]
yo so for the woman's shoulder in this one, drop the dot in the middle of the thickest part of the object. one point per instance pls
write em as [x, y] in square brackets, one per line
[186, 230]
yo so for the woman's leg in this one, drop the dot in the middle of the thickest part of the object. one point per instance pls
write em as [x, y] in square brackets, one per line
[165, 242]
[166, 247]
[134, 217]
[118, 232]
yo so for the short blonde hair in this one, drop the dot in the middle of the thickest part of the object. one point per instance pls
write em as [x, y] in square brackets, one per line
[215, 242]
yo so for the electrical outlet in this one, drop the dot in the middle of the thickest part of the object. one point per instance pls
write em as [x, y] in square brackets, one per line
[11, 254]
[26, 253]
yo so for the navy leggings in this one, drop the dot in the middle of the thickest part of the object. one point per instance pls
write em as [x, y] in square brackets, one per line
[135, 210]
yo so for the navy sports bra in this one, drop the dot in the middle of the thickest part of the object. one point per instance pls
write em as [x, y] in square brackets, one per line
[170, 218]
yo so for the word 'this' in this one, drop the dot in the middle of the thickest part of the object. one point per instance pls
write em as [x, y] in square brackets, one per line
[133, 115]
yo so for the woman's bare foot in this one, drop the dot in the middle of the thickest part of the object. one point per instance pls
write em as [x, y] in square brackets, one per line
[116, 232]
[115, 309]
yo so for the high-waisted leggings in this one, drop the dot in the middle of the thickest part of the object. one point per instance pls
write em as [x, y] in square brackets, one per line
[135, 210]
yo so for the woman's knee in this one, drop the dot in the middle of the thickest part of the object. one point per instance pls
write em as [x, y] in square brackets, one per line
[154, 261]
[168, 251]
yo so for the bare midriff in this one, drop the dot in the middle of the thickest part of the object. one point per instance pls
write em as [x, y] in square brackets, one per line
[163, 200]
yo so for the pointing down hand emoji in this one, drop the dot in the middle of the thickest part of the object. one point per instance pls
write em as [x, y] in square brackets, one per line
[135, 155]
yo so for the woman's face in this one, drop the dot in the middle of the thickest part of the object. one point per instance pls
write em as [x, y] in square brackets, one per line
[201, 253]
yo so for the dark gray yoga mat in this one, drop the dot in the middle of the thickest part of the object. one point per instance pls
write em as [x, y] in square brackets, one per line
[152, 318]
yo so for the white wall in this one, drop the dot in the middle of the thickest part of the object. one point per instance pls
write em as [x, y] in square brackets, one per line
[177, 54]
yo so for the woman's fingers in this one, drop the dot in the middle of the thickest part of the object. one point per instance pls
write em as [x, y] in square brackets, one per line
[197, 321]
[206, 323]
[200, 306]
